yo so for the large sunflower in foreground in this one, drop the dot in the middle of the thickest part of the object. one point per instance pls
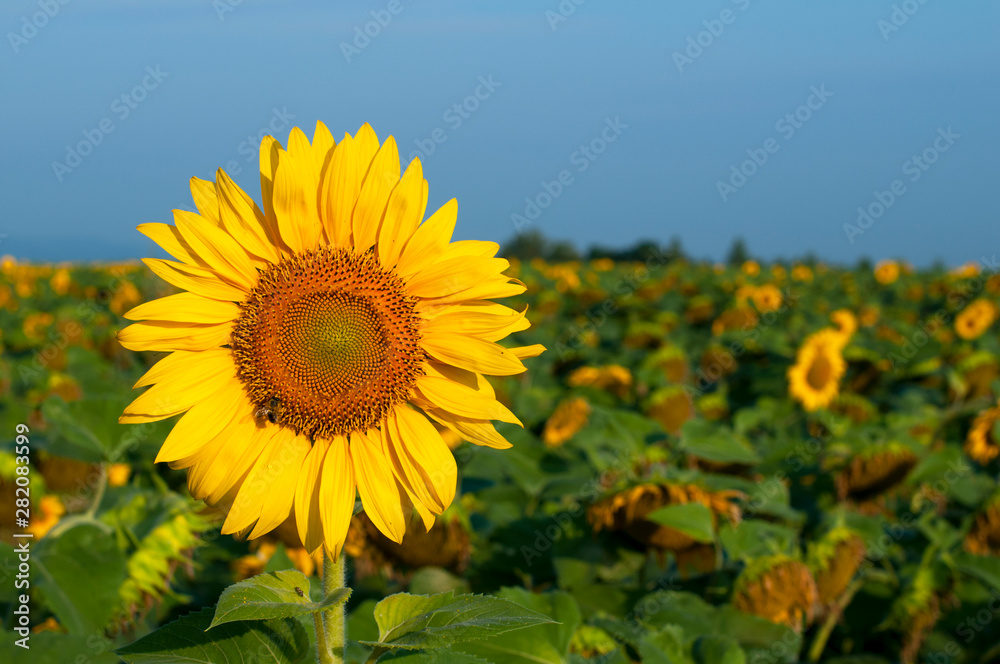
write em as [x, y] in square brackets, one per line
[319, 337]
[814, 379]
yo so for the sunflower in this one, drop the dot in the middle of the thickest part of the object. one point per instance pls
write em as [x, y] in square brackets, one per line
[671, 407]
[834, 560]
[317, 338]
[627, 510]
[981, 443]
[874, 472]
[975, 319]
[612, 378]
[52, 509]
[886, 272]
[814, 380]
[767, 298]
[779, 589]
[984, 536]
[445, 545]
[568, 418]
[845, 320]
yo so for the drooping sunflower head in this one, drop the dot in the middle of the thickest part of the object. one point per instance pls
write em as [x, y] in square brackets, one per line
[671, 407]
[981, 442]
[975, 319]
[984, 536]
[814, 379]
[874, 471]
[318, 336]
[778, 588]
[834, 560]
[569, 417]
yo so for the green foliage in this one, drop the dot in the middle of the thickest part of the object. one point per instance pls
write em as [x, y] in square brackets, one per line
[283, 594]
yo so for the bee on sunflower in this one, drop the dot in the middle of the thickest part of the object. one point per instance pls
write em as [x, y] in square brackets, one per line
[317, 337]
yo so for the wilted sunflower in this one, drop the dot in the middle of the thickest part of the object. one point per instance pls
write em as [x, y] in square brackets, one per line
[975, 319]
[984, 536]
[875, 471]
[627, 510]
[671, 407]
[310, 333]
[568, 418]
[779, 589]
[814, 380]
[980, 443]
[834, 560]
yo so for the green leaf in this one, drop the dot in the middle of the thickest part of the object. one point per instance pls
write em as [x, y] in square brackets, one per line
[56, 648]
[755, 538]
[283, 594]
[984, 568]
[281, 641]
[717, 649]
[692, 519]
[534, 645]
[665, 647]
[421, 621]
[79, 572]
[87, 430]
[437, 656]
[713, 442]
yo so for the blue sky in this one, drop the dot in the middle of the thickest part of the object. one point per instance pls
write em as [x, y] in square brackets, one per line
[665, 127]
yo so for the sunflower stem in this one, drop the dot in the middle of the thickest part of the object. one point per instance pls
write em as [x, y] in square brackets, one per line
[330, 638]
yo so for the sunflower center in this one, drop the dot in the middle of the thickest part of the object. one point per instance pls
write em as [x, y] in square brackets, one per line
[819, 372]
[327, 343]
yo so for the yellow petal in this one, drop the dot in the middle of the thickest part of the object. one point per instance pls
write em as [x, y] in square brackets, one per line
[525, 352]
[473, 354]
[307, 506]
[336, 495]
[185, 308]
[205, 199]
[162, 336]
[339, 192]
[377, 486]
[494, 288]
[421, 459]
[244, 220]
[199, 280]
[171, 241]
[223, 464]
[184, 362]
[253, 491]
[322, 147]
[202, 423]
[378, 183]
[403, 213]
[269, 151]
[366, 142]
[429, 239]
[475, 431]
[179, 392]
[216, 248]
[463, 401]
[278, 481]
[454, 275]
[465, 320]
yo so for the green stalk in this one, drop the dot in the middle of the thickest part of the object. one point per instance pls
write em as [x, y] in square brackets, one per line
[330, 638]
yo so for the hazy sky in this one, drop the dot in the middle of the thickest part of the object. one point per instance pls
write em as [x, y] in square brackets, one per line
[647, 111]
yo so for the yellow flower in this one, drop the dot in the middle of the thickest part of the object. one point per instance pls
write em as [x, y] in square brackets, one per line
[740, 318]
[767, 298]
[318, 336]
[975, 319]
[886, 272]
[984, 536]
[980, 443]
[671, 407]
[118, 474]
[61, 281]
[52, 509]
[834, 560]
[779, 589]
[845, 320]
[613, 378]
[568, 418]
[802, 273]
[751, 268]
[814, 380]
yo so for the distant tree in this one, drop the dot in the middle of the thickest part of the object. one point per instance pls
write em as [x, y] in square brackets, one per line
[562, 252]
[738, 253]
[675, 251]
[525, 246]
[864, 264]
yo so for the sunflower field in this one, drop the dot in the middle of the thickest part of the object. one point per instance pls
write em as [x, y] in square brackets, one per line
[718, 464]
